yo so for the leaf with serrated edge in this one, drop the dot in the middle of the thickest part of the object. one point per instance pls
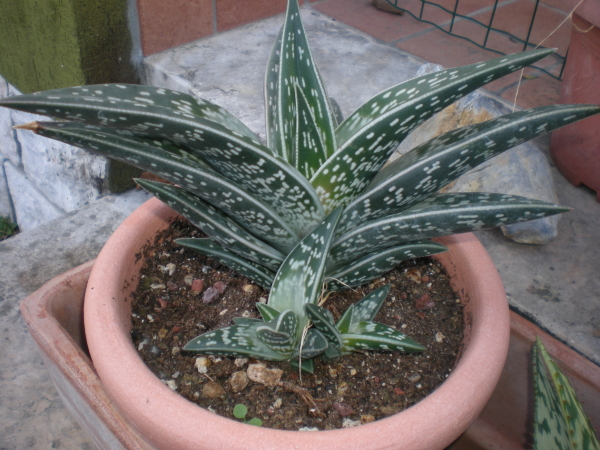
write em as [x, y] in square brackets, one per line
[432, 165]
[580, 431]
[368, 136]
[259, 274]
[300, 277]
[244, 160]
[237, 340]
[324, 324]
[215, 224]
[245, 209]
[358, 271]
[380, 337]
[440, 215]
[291, 65]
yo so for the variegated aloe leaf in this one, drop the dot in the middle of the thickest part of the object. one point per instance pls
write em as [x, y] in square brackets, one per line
[363, 311]
[206, 246]
[215, 224]
[432, 165]
[280, 334]
[356, 271]
[252, 214]
[313, 345]
[560, 422]
[439, 215]
[300, 277]
[292, 73]
[266, 312]
[236, 156]
[236, 340]
[55, 103]
[369, 135]
[379, 337]
[322, 320]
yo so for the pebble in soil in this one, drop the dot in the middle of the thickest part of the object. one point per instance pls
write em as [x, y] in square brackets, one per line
[170, 308]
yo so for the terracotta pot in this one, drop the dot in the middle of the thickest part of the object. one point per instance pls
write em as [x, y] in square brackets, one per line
[168, 421]
[575, 149]
[54, 316]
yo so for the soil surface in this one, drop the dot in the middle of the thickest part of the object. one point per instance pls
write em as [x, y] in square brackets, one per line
[168, 311]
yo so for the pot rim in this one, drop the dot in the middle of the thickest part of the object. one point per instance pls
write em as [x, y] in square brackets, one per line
[169, 421]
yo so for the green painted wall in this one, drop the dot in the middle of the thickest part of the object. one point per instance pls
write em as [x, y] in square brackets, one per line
[46, 44]
[49, 44]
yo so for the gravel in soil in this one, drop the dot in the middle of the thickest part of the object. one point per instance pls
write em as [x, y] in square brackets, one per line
[183, 294]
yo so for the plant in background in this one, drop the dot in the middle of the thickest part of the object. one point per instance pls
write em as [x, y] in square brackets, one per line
[560, 422]
[240, 411]
[315, 202]
[7, 228]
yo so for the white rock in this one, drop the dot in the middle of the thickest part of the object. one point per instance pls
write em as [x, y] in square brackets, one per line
[172, 385]
[32, 208]
[260, 374]
[522, 170]
[202, 364]
[349, 423]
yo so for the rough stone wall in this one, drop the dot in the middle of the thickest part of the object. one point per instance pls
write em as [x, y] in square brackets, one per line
[41, 179]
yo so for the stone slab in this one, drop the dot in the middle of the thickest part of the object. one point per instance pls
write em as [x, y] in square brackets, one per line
[8, 144]
[6, 208]
[31, 412]
[32, 208]
[229, 69]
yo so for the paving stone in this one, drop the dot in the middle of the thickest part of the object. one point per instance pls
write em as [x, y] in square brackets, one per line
[6, 208]
[8, 145]
[32, 208]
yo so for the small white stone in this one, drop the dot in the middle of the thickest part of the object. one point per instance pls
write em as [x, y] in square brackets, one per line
[168, 268]
[239, 362]
[172, 385]
[349, 423]
[439, 337]
[308, 429]
[202, 364]
[150, 318]
[260, 374]
[157, 286]
[277, 404]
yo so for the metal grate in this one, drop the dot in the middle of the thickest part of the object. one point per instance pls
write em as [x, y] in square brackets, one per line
[488, 29]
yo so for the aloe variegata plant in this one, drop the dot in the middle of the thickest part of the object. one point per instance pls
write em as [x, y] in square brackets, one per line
[559, 420]
[315, 202]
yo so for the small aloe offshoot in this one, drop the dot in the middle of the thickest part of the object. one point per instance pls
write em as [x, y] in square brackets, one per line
[318, 183]
[240, 411]
[560, 422]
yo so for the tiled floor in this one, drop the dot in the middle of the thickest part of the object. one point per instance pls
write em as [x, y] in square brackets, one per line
[424, 40]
